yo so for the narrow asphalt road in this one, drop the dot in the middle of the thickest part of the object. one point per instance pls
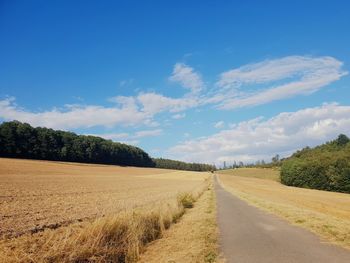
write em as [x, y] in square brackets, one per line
[249, 235]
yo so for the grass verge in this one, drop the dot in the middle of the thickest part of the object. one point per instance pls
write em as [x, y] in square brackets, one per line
[193, 239]
[119, 238]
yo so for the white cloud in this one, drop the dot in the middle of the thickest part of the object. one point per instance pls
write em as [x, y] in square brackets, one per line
[129, 111]
[148, 133]
[126, 82]
[134, 138]
[187, 77]
[76, 116]
[219, 124]
[261, 139]
[179, 116]
[153, 103]
[299, 74]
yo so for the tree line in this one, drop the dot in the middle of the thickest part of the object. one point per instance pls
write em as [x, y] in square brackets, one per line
[178, 165]
[21, 140]
[325, 167]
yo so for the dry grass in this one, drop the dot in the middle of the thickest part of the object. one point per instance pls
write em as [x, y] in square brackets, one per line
[270, 174]
[325, 213]
[193, 239]
[35, 195]
[119, 238]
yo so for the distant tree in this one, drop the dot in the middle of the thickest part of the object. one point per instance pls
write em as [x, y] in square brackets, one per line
[178, 165]
[342, 140]
[276, 158]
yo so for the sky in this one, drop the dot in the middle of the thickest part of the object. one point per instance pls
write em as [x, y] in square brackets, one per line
[198, 81]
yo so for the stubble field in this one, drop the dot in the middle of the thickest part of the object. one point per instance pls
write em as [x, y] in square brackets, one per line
[36, 195]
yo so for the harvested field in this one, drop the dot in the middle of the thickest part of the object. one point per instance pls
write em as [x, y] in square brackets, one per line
[325, 213]
[262, 173]
[36, 195]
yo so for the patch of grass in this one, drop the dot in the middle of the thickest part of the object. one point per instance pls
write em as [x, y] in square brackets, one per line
[211, 251]
[186, 200]
[210, 257]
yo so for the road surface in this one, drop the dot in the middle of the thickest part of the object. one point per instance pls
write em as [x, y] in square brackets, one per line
[249, 235]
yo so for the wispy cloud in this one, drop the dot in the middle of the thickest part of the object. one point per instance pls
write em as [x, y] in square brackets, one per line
[298, 74]
[258, 138]
[126, 82]
[179, 116]
[219, 124]
[133, 138]
[187, 77]
[153, 103]
[148, 133]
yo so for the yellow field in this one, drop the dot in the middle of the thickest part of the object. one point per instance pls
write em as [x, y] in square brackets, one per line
[325, 213]
[270, 174]
[41, 194]
[63, 202]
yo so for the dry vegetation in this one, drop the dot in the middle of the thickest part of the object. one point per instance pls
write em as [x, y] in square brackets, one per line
[88, 212]
[262, 173]
[193, 239]
[325, 213]
[42, 194]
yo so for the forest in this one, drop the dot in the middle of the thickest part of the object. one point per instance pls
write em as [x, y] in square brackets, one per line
[325, 167]
[21, 140]
[178, 165]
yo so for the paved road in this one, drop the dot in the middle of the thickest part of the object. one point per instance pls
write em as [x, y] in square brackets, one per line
[249, 235]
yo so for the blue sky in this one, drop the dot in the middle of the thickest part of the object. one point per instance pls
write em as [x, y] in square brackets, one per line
[207, 81]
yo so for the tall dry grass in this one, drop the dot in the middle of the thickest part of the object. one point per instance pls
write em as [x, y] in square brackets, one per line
[193, 239]
[119, 238]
